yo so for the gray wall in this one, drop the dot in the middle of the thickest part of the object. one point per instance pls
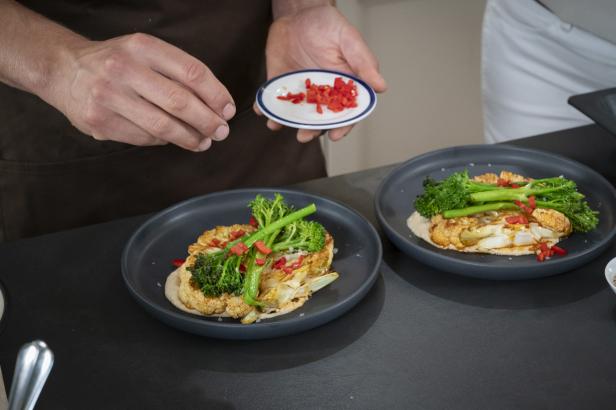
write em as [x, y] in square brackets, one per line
[429, 52]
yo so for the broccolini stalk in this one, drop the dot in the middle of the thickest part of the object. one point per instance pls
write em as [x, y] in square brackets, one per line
[272, 216]
[547, 187]
[472, 210]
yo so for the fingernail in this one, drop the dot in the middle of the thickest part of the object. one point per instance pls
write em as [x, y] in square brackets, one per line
[221, 133]
[205, 144]
[228, 112]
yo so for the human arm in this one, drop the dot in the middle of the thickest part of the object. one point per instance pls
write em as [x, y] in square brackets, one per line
[135, 89]
[314, 34]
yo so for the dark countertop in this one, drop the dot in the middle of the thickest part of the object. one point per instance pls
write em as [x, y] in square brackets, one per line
[420, 339]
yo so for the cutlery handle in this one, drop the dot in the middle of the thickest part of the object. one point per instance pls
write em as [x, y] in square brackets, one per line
[33, 365]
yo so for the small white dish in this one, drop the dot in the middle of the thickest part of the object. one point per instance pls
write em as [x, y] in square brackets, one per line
[304, 115]
[610, 273]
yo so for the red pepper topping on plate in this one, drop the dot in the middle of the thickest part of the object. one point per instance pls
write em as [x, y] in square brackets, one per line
[239, 248]
[261, 247]
[178, 262]
[236, 234]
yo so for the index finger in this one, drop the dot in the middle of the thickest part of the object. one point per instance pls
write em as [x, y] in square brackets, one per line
[187, 70]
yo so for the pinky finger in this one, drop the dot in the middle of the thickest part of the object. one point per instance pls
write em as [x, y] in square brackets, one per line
[339, 133]
[273, 125]
[119, 129]
[307, 135]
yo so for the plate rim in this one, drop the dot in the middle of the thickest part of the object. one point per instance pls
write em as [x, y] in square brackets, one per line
[459, 266]
[296, 124]
[255, 330]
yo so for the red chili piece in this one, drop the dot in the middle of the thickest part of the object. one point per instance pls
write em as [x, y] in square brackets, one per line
[517, 219]
[532, 202]
[236, 234]
[178, 262]
[546, 252]
[239, 248]
[260, 261]
[523, 207]
[261, 247]
[253, 222]
[298, 262]
[294, 98]
[280, 263]
[242, 267]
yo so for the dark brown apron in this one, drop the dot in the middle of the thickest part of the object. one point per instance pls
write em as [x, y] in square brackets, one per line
[52, 177]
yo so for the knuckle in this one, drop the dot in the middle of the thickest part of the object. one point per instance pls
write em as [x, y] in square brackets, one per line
[114, 64]
[177, 100]
[160, 126]
[195, 72]
[99, 91]
[139, 41]
[94, 117]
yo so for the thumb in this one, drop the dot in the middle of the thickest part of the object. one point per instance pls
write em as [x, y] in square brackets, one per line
[361, 60]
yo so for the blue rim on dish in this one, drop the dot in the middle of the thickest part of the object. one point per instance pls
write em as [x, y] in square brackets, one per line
[396, 193]
[348, 121]
[145, 262]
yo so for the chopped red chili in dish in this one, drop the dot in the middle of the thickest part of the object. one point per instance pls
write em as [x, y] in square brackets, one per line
[261, 247]
[517, 219]
[341, 96]
[178, 262]
[236, 234]
[239, 248]
[546, 251]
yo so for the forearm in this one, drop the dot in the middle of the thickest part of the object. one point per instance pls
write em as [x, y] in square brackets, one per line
[282, 8]
[32, 48]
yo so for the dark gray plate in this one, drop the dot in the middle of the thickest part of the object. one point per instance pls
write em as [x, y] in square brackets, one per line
[396, 194]
[146, 261]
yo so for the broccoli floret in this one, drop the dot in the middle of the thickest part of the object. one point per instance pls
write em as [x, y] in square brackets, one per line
[215, 274]
[301, 235]
[453, 192]
[266, 211]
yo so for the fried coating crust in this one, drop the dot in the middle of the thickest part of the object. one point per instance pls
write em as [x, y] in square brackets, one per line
[552, 219]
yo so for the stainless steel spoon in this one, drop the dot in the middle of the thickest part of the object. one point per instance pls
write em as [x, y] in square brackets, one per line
[34, 363]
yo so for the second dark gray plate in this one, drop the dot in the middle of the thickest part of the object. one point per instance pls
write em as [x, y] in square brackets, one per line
[396, 194]
[146, 261]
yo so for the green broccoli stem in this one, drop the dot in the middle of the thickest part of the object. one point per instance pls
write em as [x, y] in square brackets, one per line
[283, 246]
[253, 275]
[267, 233]
[471, 210]
[512, 194]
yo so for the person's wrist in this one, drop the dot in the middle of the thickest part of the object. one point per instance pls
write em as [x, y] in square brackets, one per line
[51, 81]
[289, 8]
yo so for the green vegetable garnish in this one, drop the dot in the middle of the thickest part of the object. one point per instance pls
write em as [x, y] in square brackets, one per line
[458, 195]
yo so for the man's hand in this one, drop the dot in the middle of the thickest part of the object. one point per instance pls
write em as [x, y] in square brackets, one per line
[135, 89]
[319, 37]
[140, 90]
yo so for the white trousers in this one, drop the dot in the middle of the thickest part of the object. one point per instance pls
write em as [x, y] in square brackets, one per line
[532, 62]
